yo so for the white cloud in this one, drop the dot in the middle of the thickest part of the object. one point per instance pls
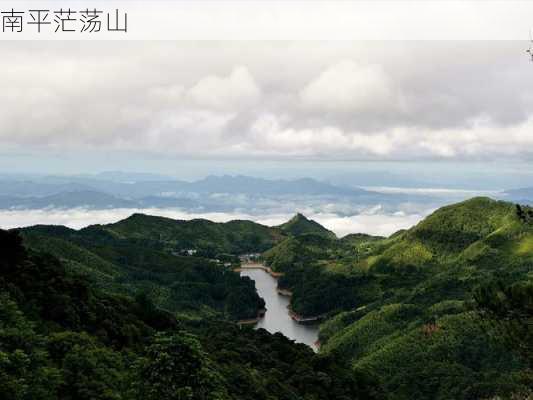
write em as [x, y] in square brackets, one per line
[277, 135]
[349, 87]
[169, 95]
[400, 101]
[374, 223]
[235, 91]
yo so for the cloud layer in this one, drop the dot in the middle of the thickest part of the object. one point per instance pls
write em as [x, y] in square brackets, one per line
[353, 100]
[373, 222]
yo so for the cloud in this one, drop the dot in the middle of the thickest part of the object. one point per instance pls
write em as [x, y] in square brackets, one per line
[236, 91]
[277, 135]
[349, 87]
[373, 222]
[270, 100]
[166, 95]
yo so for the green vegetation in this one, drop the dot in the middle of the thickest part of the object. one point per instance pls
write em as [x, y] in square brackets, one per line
[510, 309]
[299, 225]
[145, 254]
[208, 238]
[142, 254]
[440, 311]
[63, 338]
[402, 308]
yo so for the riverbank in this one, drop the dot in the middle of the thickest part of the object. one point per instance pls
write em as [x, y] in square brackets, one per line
[252, 321]
[284, 292]
[277, 319]
[306, 320]
[260, 266]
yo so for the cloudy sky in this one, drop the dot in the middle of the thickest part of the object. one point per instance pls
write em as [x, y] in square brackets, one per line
[366, 100]
[367, 113]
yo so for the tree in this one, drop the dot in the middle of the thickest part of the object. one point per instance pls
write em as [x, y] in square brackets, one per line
[177, 368]
[25, 372]
[510, 307]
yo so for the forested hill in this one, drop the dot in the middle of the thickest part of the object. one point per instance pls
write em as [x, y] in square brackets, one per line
[183, 266]
[235, 237]
[128, 259]
[62, 338]
[203, 236]
[427, 312]
[453, 249]
[404, 307]
[299, 225]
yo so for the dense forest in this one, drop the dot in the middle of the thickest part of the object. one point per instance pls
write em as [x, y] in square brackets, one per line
[408, 308]
[443, 310]
[62, 338]
[145, 254]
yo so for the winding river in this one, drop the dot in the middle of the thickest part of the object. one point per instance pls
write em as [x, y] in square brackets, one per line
[277, 317]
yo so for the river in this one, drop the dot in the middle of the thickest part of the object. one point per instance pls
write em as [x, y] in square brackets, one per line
[277, 317]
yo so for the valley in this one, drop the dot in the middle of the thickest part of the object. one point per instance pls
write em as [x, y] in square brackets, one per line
[266, 200]
[401, 316]
[277, 317]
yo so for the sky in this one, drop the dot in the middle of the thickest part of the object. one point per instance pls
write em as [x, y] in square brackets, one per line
[432, 114]
[78, 106]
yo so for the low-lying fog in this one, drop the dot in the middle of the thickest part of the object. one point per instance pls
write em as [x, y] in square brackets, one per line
[79, 201]
[372, 221]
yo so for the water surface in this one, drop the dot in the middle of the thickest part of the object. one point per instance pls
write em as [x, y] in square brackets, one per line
[277, 317]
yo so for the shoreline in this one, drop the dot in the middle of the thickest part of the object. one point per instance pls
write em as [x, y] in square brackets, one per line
[306, 320]
[252, 321]
[282, 292]
[268, 270]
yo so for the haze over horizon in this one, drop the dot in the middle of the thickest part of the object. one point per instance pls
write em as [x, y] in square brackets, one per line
[80, 200]
[416, 124]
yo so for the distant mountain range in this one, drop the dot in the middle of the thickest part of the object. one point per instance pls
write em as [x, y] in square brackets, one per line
[142, 188]
[79, 198]
[250, 185]
[213, 193]
[522, 195]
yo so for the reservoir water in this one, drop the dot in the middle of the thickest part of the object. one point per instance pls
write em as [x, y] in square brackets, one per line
[277, 317]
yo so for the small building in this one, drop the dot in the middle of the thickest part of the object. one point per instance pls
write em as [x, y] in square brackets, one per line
[250, 257]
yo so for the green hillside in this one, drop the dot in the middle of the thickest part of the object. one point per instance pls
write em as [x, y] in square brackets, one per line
[235, 237]
[62, 338]
[298, 250]
[439, 311]
[153, 254]
[144, 254]
[451, 250]
[452, 232]
[403, 307]
[299, 225]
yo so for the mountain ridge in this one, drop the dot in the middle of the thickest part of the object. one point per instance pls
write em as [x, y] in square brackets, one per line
[300, 224]
[399, 307]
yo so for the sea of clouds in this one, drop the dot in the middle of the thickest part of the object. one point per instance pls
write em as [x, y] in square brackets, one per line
[373, 220]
